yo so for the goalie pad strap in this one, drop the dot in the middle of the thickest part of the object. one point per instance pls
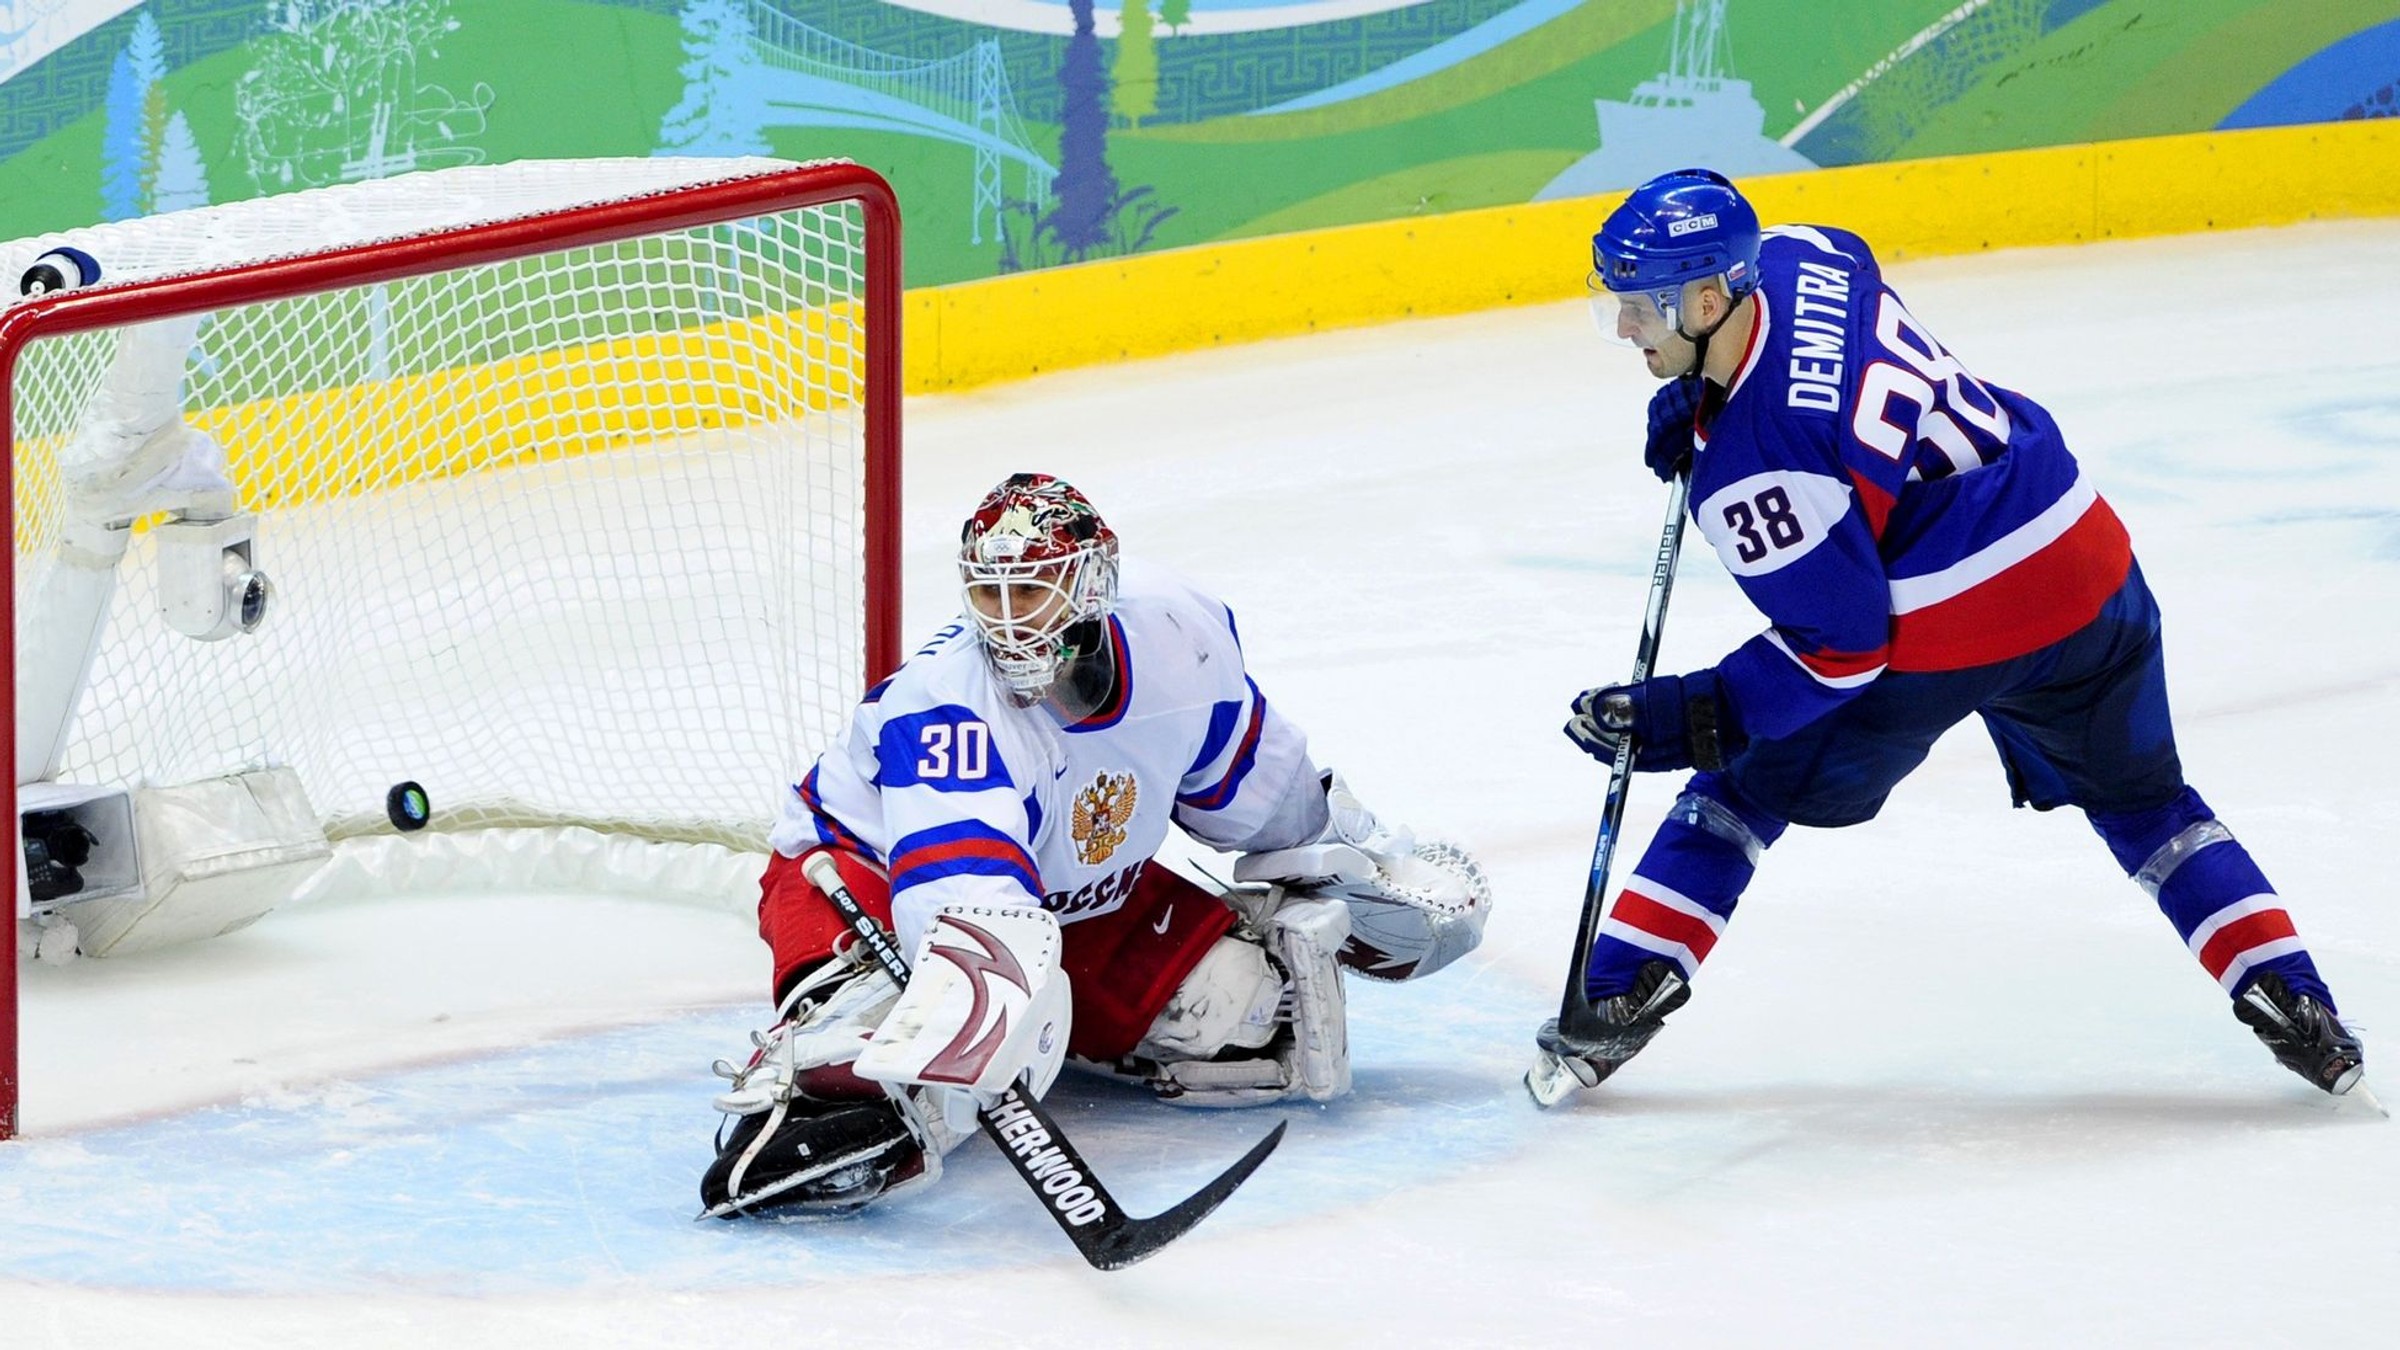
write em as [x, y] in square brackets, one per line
[1307, 936]
[1290, 1010]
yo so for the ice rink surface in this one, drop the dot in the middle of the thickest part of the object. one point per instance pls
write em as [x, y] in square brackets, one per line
[1950, 1079]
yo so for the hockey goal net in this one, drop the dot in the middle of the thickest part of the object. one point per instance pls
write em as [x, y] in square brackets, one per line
[575, 483]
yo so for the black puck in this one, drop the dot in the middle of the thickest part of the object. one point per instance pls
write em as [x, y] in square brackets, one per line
[408, 807]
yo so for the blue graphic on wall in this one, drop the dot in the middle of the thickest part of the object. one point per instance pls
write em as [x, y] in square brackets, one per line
[1693, 112]
[724, 106]
[2358, 76]
[750, 65]
[182, 181]
[1206, 69]
[129, 134]
[1506, 26]
[1874, 118]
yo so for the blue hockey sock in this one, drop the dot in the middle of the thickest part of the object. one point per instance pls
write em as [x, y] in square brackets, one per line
[2208, 887]
[1676, 903]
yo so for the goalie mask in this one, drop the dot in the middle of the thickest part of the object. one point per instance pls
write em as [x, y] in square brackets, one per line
[1039, 569]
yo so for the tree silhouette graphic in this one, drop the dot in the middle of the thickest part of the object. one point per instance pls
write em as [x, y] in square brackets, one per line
[1136, 70]
[1086, 188]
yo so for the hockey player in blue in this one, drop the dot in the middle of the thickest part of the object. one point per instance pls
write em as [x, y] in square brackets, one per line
[1924, 548]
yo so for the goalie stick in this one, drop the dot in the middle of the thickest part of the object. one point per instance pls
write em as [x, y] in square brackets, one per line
[1549, 1080]
[1108, 1237]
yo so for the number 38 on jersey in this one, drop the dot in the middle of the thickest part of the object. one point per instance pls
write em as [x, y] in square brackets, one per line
[1771, 520]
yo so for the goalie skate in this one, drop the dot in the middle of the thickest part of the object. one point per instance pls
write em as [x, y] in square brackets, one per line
[812, 1157]
[806, 1133]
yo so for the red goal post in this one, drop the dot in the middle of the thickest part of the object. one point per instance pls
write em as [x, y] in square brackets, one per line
[577, 484]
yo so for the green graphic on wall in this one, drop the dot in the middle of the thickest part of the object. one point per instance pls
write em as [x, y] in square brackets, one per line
[1027, 133]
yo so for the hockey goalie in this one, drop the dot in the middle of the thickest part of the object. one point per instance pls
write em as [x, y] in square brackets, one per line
[998, 803]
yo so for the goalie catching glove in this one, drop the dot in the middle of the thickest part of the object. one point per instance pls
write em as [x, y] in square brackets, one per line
[1415, 907]
[863, 1088]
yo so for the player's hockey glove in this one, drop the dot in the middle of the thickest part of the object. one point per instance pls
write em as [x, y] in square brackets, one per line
[1673, 410]
[1677, 722]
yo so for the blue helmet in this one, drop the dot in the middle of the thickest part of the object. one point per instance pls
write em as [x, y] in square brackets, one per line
[1678, 227]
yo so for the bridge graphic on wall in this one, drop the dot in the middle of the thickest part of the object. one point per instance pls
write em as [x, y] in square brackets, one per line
[816, 79]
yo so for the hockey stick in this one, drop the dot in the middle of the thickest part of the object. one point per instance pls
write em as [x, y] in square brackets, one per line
[1549, 1080]
[1091, 1218]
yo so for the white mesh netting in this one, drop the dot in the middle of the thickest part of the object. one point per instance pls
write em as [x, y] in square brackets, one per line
[575, 538]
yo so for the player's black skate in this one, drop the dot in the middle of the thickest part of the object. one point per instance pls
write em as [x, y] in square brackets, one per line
[2304, 1034]
[828, 1157]
[1591, 1049]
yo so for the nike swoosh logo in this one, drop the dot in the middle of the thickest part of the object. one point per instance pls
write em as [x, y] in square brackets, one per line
[1160, 927]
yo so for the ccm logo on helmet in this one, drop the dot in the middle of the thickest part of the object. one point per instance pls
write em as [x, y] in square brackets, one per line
[1704, 221]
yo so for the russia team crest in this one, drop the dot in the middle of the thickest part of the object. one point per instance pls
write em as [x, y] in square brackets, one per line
[1102, 810]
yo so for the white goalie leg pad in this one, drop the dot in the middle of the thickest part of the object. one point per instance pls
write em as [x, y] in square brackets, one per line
[826, 1020]
[986, 1004]
[1231, 1000]
[1291, 1009]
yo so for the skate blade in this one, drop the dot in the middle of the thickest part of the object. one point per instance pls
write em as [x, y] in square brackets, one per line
[747, 1199]
[2360, 1090]
[1550, 1080]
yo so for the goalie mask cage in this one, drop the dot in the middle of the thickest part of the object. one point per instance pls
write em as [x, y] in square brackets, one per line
[577, 484]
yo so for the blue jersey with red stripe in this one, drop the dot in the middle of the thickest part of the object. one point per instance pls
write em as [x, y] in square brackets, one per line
[967, 798]
[1883, 507]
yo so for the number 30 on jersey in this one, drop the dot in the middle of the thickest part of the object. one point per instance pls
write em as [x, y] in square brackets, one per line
[961, 750]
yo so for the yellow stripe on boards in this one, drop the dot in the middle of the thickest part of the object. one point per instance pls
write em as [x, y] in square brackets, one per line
[1007, 328]
[575, 401]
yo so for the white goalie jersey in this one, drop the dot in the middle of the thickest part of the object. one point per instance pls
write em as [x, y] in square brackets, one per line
[967, 798]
